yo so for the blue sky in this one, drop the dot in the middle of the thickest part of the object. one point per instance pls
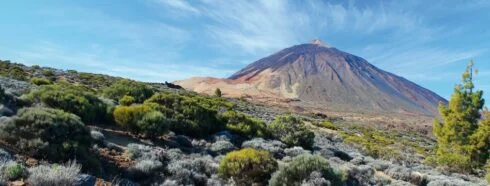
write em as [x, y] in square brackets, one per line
[166, 40]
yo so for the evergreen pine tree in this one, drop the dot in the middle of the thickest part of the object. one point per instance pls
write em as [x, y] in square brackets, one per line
[459, 123]
[217, 92]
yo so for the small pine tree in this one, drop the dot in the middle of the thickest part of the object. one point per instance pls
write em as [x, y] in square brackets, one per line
[459, 122]
[218, 93]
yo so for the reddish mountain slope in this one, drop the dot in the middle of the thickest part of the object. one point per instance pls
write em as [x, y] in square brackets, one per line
[323, 77]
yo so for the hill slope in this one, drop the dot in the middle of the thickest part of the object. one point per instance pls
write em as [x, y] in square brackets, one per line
[323, 77]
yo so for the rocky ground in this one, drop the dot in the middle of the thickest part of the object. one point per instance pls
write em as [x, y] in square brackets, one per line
[181, 160]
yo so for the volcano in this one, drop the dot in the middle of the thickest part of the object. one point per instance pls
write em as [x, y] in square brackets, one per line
[316, 75]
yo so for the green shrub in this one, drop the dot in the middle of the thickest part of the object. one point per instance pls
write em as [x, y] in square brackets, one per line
[327, 125]
[245, 125]
[292, 131]
[126, 100]
[139, 91]
[487, 177]
[47, 133]
[153, 124]
[247, 166]
[74, 99]
[13, 70]
[15, 171]
[40, 81]
[300, 169]
[129, 116]
[3, 96]
[193, 116]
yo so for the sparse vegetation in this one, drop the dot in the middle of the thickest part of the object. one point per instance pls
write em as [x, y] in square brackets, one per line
[388, 145]
[248, 166]
[193, 139]
[45, 175]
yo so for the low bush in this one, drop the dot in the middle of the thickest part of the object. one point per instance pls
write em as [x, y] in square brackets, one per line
[40, 81]
[327, 125]
[11, 170]
[126, 100]
[245, 125]
[247, 166]
[192, 116]
[222, 147]
[273, 146]
[139, 91]
[128, 116]
[292, 131]
[63, 175]
[70, 98]
[389, 145]
[144, 168]
[192, 170]
[15, 171]
[296, 151]
[42, 132]
[3, 96]
[301, 168]
[13, 70]
[153, 124]
[97, 136]
[142, 119]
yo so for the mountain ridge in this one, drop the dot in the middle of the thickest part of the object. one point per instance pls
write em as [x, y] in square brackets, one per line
[324, 77]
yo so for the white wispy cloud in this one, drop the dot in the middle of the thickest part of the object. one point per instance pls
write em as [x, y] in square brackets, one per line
[179, 4]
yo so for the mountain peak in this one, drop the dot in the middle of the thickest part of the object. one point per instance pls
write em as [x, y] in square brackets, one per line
[320, 43]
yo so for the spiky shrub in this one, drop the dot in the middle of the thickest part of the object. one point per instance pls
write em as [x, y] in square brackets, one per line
[139, 91]
[40, 81]
[63, 175]
[292, 131]
[70, 98]
[247, 166]
[245, 125]
[145, 168]
[301, 168]
[126, 100]
[191, 170]
[42, 132]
